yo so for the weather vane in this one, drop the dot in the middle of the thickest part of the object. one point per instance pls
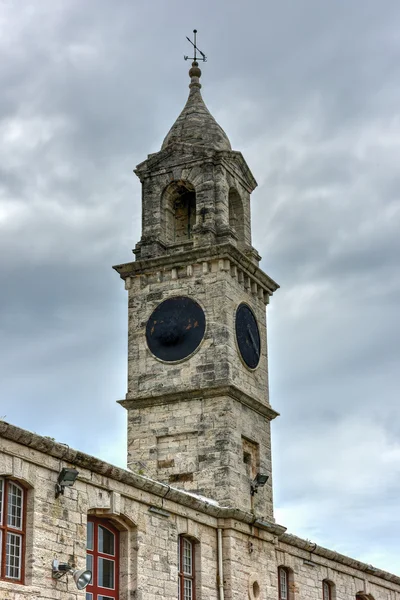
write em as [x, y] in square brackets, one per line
[196, 49]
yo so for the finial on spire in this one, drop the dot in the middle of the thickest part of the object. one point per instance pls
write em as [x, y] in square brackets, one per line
[195, 72]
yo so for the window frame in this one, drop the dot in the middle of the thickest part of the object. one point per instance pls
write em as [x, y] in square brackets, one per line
[282, 570]
[6, 529]
[94, 588]
[327, 585]
[182, 575]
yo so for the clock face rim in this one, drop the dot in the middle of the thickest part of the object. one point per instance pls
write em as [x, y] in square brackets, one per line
[236, 337]
[179, 360]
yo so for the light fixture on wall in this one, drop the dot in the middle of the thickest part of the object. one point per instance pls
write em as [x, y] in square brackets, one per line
[66, 478]
[259, 481]
[82, 577]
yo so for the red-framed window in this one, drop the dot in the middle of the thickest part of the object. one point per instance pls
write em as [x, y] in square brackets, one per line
[186, 559]
[283, 583]
[102, 558]
[326, 590]
[12, 530]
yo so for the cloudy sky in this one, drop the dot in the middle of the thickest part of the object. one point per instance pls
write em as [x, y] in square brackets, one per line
[309, 91]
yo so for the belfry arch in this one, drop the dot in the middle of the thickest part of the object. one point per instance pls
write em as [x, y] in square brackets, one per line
[178, 209]
[236, 214]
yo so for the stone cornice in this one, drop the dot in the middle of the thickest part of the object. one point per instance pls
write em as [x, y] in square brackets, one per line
[244, 173]
[211, 392]
[80, 459]
[313, 550]
[185, 154]
[197, 255]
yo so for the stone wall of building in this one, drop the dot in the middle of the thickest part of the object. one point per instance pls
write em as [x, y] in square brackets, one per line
[150, 517]
[56, 528]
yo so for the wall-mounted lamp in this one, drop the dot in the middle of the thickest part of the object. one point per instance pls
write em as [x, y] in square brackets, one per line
[259, 481]
[66, 478]
[82, 577]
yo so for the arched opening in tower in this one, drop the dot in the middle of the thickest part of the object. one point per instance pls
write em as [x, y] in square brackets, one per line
[180, 208]
[236, 216]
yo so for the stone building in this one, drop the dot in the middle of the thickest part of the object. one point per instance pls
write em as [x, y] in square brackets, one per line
[192, 515]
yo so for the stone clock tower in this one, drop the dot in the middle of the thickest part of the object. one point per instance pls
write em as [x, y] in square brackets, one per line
[197, 400]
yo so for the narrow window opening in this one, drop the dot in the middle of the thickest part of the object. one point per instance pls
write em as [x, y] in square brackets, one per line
[247, 458]
[251, 457]
[179, 212]
[326, 590]
[12, 530]
[236, 215]
[283, 584]
[186, 560]
[184, 216]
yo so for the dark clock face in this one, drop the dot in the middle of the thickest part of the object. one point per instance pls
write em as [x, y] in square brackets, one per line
[248, 336]
[175, 328]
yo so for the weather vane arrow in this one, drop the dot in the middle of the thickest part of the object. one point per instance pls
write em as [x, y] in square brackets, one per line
[196, 49]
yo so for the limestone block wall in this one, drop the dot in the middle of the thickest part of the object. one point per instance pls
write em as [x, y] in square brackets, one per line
[219, 286]
[252, 557]
[57, 529]
[198, 445]
[211, 174]
[150, 517]
[203, 435]
[311, 565]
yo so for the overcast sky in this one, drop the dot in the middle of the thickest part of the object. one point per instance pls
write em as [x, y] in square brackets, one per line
[309, 91]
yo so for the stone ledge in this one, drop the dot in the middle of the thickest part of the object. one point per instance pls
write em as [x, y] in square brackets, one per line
[314, 549]
[196, 255]
[212, 392]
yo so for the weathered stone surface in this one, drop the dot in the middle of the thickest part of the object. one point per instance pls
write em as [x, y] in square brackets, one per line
[188, 419]
[252, 550]
[195, 124]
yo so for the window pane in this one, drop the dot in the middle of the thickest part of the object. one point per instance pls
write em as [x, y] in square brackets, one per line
[89, 596]
[89, 562]
[1, 500]
[187, 557]
[106, 541]
[14, 509]
[326, 590]
[104, 598]
[105, 576]
[283, 584]
[13, 556]
[89, 535]
[187, 589]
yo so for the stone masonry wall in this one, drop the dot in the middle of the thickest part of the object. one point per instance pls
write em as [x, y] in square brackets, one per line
[57, 529]
[211, 175]
[197, 445]
[253, 556]
[219, 287]
[205, 452]
[150, 522]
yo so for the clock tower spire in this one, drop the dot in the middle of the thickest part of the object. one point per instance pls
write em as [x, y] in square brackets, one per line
[197, 399]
